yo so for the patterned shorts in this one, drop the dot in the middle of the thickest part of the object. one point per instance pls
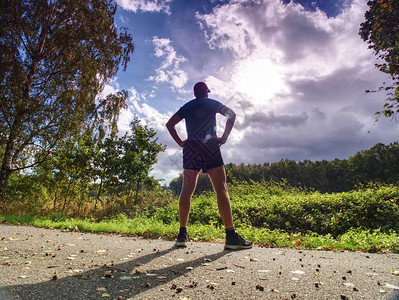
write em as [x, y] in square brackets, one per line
[201, 155]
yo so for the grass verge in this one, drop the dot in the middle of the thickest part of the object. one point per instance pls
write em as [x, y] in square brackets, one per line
[352, 240]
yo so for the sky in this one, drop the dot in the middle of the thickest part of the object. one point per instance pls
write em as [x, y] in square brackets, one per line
[294, 72]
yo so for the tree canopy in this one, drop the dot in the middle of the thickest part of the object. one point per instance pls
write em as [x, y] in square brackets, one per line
[57, 56]
[378, 164]
[381, 31]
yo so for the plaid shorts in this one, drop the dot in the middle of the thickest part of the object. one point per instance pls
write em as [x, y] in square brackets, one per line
[201, 155]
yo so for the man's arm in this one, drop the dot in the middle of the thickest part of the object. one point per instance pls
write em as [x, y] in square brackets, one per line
[170, 125]
[231, 118]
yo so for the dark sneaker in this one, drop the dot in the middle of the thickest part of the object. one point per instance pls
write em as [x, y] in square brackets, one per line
[235, 242]
[181, 240]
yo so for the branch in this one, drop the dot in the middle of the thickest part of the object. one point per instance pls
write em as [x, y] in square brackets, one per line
[48, 150]
[29, 139]
[5, 115]
[35, 163]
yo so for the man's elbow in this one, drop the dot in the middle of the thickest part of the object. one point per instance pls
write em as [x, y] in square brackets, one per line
[231, 115]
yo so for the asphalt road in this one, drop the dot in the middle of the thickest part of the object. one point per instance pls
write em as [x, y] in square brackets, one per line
[49, 264]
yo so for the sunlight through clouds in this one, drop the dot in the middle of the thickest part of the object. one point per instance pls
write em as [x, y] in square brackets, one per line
[260, 79]
[295, 75]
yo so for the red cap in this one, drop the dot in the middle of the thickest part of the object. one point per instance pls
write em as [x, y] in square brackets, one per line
[201, 88]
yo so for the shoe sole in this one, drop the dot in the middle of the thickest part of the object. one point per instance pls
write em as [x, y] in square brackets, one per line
[236, 247]
[181, 244]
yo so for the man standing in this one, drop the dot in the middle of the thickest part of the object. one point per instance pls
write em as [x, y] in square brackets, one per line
[201, 151]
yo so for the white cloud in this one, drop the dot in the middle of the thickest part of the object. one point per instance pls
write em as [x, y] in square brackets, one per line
[146, 5]
[170, 70]
[294, 67]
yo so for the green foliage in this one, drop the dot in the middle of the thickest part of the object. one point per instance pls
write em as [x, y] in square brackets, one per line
[56, 58]
[112, 174]
[378, 164]
[278, 206]
[381, 32]
[26, 194]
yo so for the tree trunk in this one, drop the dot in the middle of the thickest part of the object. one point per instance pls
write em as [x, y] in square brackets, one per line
[4, 175]
[136, 197]
[98, 195]
[6, 166]
[66, 196]
[55, 201]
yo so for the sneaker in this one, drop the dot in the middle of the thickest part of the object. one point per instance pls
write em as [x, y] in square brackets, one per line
[181, 240]
[235, 242]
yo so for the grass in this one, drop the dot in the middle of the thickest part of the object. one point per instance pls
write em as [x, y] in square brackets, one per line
[352, 240]
[269, 214]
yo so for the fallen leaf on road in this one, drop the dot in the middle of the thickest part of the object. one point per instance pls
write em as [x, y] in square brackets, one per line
[253, 259]
[395, 272]
[260, 288]
[23, 276]
[297, 272]
[211, 286]
[100, 251]
[77, 271]
[391, 286]
[105, 295]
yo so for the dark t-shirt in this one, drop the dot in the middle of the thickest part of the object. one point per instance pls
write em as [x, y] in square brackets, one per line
[200, 116]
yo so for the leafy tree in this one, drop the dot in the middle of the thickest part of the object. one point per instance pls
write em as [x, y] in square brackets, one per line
[106, 165]
[381, 32]
[140, 151]
[56, 56]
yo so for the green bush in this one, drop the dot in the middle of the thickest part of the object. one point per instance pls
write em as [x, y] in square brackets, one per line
[278, 206]
[25, 193]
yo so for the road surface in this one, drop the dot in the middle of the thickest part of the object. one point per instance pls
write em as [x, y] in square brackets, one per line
[38, 263]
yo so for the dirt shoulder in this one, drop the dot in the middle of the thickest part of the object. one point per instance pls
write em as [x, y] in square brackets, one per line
[40, 263]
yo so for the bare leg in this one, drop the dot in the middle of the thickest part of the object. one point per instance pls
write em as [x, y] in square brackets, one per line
[189, 184]
[218, 178]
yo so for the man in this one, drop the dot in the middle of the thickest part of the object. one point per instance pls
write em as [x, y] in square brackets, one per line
[201, 151]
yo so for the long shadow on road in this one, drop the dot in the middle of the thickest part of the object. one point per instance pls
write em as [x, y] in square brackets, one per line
[125, 279]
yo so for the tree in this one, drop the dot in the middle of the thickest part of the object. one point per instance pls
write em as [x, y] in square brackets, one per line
[56, 57]
[381, 32]
[140, 151]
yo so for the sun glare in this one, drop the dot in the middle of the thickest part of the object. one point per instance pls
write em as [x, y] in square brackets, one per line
[260, 79]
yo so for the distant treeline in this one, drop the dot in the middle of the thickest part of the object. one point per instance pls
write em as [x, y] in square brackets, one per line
[380, 164]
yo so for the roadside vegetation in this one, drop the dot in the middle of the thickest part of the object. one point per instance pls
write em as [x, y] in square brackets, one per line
[269, 213]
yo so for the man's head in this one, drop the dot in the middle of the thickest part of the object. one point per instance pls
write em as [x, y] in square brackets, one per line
[201, 90]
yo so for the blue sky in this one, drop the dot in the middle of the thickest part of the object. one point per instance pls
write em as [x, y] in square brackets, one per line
[294, 72]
